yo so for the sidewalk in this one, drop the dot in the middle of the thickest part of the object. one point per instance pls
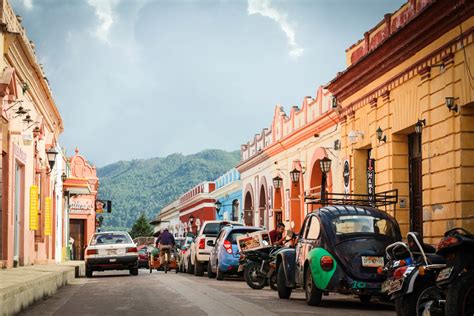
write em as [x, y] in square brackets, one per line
[20, 287]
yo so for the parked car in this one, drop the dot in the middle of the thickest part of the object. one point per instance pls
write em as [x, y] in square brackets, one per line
[339, 249]
[201, 249]
[111, 251]
[225, 256]
[183, 253]
[143, 256]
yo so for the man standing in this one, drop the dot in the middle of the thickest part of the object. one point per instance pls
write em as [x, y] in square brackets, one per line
[276, 235]
[165, 242]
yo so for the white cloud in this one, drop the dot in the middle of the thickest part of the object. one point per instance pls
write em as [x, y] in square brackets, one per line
[28, 4]
[104, 10]
[263, 7]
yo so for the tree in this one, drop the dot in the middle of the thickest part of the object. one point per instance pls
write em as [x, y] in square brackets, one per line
[141, 228]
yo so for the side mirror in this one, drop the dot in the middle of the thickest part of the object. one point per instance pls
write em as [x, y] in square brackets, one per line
[210, 243]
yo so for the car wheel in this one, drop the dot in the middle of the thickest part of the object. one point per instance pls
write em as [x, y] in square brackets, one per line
[190, 267]
[219, 274]
[313, 294]
[210, 274]
[199, 269]
[89, 272]
[134, 271]
[284, 292]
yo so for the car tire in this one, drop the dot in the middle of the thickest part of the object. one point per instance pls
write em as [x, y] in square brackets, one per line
[190, 267]
[89, 272]
[273, 281]
[406, 305]
[210, 274]
[134, 271]
[220, 273]
[284, 292]
[199, 269]
[312, 293]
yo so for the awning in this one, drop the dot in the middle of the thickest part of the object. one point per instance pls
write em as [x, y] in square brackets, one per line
[77, 186]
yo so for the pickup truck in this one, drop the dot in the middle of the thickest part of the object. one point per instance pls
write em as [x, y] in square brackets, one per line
[200, 249]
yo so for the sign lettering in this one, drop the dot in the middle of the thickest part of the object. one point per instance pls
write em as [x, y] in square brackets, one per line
[33, 207]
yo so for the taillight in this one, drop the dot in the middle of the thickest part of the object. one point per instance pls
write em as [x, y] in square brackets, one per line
[183, 251]
[380, 270]
[92, 252]
[202, 243]
[398, 274]
[228, 246]
[326, 263]
[447, 242]
[132, 249]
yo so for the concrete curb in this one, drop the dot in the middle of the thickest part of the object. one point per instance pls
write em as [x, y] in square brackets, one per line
[21, 287]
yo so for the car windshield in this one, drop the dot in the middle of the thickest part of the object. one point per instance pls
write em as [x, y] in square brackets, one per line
[110, 238]
[213, 229]
[237, 233]
[362, 224]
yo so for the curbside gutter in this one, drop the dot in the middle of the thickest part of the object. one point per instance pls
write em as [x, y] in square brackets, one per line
[21, 287]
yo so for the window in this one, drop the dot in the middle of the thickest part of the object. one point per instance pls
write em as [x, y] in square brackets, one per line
[362, 224]
[213, 229]
[110, 238]
[313, 229]
[237, 233]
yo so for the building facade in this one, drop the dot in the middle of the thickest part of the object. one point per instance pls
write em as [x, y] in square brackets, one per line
[406, 107]
[228, 195]
[30, 127]
[168, 218]
[294, 144]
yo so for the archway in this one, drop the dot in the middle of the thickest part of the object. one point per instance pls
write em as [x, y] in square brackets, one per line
[277, 207]
[248, 206]
[315, 180]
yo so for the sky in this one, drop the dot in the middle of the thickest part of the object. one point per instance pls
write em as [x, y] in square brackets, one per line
[137, 79]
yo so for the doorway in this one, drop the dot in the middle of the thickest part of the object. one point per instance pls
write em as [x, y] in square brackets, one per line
[415, 183]
[262, 214]
[248, 210]
[17, 214]
[78, 235]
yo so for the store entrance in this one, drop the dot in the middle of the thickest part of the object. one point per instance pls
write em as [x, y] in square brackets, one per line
[415, 182]
[78, 236]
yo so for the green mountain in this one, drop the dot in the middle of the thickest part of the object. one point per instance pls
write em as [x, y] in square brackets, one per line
[146, 186]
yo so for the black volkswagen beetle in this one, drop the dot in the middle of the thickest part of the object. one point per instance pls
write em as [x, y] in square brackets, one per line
[339, 249]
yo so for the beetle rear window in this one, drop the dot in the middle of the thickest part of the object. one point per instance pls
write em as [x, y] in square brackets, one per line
[363, 224]
[237, 233]
[109, 238]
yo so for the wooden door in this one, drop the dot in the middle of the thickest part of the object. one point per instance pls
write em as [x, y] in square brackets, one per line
[77, 233]
[415, 183]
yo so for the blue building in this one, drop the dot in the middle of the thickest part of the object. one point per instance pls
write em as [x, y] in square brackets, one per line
[228, 196]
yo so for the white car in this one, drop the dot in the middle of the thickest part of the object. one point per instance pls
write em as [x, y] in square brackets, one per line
[203, 244]
[111, 251]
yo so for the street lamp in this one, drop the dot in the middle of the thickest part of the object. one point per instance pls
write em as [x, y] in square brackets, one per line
[51, 153]
[325, 165]
[218, 205]
[277, 182]
[295, 175]
[380, 136]
[63, 177]
[419, 126]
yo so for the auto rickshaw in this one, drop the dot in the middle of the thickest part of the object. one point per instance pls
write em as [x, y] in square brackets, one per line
[154, 261]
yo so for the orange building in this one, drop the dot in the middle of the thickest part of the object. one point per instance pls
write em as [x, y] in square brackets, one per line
[406, 104]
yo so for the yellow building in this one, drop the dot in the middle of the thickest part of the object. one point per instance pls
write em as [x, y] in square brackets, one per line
[414, 69]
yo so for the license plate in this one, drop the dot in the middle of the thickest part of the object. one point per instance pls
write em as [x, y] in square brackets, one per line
[372, 262]
[444, 274]
[112, 251]
[391, 286]
[113, 260]
[241, 268]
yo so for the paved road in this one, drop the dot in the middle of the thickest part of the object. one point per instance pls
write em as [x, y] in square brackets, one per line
[117, 293]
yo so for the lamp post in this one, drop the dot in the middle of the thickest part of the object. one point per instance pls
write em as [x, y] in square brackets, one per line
[325, 165]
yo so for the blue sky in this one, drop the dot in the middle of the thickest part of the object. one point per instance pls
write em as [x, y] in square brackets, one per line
[141, 79]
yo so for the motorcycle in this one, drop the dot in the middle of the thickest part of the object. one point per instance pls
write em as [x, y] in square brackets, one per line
[259, 267]
[412, 270]
[457, 278]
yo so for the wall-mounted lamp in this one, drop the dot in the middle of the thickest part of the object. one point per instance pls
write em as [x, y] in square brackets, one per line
[21, 111]
[380, 136]
[63, 177]
[295, 175]
[334, 102]
[24, 87]
[277, 182]
[450, 104]
[419, 126]
[218, 205]
[353, 136]
[51, 153]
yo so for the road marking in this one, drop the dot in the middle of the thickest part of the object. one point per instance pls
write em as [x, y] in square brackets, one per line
[209, 300]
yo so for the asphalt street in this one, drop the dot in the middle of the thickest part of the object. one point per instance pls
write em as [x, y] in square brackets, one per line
[117, 293]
